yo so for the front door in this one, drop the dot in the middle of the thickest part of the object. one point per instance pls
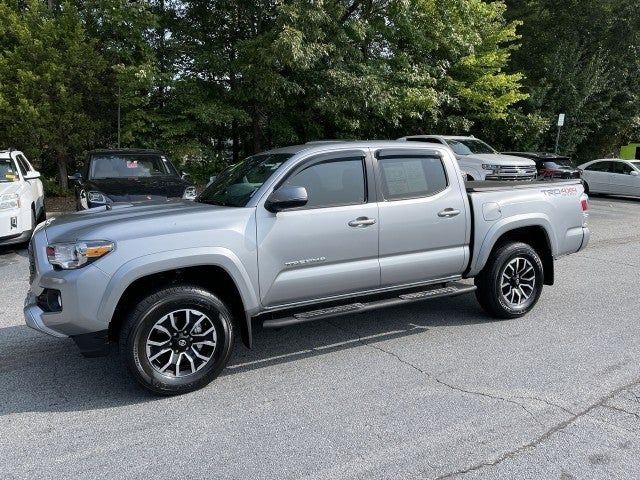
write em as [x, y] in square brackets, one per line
[327, 248]
[423, 218]
[622, 179]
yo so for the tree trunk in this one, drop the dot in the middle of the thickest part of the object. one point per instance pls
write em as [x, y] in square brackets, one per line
[256, 131]
[235, 138]
[63, 180]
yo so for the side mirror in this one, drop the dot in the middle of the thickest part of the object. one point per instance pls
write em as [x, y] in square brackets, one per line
[185, 175]
[633, 173]
[32, 175]
[285, 198]
[76, 177]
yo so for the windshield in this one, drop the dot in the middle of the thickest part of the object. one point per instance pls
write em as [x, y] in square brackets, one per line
[8, 172]
[464, 146]
[118, 165]
[559, 164]
[236, 185]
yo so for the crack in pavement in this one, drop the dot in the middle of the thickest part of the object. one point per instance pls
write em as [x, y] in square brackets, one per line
[559, 427]
[541, 438]
[436, 379]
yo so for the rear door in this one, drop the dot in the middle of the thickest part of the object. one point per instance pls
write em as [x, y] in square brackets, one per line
[423, 217]
[597, 175]
[329, 247]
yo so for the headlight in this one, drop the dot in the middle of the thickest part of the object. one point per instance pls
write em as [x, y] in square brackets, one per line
[9, 200]
[77, 254]
[96, 197]
[486, 166]
[189, 193]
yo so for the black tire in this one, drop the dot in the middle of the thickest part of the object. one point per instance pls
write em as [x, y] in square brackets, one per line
[491, 294]
[137, 331]
[586, 187]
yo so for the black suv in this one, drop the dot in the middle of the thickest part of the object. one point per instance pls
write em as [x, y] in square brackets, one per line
[128, 175]
[550, 165]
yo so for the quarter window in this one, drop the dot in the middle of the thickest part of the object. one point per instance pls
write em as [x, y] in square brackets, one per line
[332, 183]
[407, 177]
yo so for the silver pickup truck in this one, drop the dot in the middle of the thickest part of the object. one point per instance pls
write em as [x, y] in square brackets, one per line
[288, 236]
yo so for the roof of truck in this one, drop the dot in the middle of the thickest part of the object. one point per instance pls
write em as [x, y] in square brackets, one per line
[322, 145]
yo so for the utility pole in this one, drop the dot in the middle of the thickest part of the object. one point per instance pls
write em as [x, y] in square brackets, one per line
[560, 124]
[118, 116]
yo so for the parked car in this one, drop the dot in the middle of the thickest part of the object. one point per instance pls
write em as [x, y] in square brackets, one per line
[21, 198]
[128, 175]
[289, 236]
[479, 161]
[612, 176]
[550, 165]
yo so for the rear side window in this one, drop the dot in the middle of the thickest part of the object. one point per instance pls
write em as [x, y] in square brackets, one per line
[426, 140]
[411, 177]
[599, 167]
[332, 183]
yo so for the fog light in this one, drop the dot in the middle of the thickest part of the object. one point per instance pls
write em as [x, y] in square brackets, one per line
[50, 300]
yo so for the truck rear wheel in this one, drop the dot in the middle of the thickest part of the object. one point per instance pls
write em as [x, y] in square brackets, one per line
[177, 340]
[510, 284]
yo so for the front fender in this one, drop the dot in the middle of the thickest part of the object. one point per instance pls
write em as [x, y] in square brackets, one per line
[505, 225]
[173, 259]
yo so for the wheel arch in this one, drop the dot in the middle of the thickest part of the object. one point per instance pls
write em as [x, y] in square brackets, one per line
[222, 276]
[534, 234]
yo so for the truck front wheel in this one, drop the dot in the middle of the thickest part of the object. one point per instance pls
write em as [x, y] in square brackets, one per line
[510, 284]
[177, 339]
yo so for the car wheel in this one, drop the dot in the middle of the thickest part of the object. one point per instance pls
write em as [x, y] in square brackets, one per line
[510, 284]
[177, 340]
[586, 187]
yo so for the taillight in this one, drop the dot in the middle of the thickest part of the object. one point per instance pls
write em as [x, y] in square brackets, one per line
[584, 203]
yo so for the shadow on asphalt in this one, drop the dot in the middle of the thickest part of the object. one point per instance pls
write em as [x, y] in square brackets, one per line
[44, 374]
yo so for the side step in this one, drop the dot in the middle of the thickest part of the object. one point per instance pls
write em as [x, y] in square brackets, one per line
[449, 290]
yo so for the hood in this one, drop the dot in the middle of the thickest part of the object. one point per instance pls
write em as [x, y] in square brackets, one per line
[9, 187]
[125, 221]
[498, 159]
[138, 189]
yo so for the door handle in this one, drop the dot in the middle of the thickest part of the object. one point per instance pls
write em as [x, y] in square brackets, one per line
[362, 222]
[449, 212]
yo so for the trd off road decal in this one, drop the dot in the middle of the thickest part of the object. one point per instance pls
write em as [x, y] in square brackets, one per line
[561, 192]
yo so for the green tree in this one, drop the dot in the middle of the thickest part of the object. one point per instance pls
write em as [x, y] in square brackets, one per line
[49, 72]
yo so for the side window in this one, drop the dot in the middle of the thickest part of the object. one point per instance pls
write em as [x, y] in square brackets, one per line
[599, 167]
[20, 168]
[23, 164]
[621, 168]
[412, 177]
[332, 183]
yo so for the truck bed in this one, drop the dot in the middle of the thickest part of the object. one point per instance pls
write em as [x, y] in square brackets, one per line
[491, 186]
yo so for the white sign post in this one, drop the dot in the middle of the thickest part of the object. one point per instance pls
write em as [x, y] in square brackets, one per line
[560, 125]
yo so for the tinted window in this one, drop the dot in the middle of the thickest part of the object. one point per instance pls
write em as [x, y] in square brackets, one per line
[621, 168]
[129, 165]
[412, 177]
[469, 146]
[332, 183]
[22, 163]
[599, 167]
[236, 185]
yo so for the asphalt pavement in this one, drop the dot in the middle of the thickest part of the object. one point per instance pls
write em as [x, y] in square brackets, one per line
[433, 390]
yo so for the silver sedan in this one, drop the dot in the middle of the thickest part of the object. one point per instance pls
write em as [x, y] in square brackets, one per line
[612, 176]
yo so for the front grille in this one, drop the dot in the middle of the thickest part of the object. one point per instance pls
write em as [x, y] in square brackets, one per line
[513, 172]
[32, 264]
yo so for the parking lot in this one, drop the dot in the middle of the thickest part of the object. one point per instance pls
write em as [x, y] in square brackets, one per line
[435, 390]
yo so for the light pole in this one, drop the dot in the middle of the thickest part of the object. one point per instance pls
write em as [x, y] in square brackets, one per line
[560, 124]
[118, 116]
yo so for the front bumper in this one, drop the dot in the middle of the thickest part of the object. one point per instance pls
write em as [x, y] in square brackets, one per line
[12, 227]
[80, 293]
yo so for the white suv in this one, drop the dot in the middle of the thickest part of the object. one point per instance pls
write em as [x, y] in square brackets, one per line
[21, 198]
[479, 161]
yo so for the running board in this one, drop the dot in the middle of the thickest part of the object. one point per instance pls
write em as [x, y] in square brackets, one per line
[449, 290]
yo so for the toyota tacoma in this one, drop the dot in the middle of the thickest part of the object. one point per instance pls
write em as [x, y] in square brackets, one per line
[294, 235]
